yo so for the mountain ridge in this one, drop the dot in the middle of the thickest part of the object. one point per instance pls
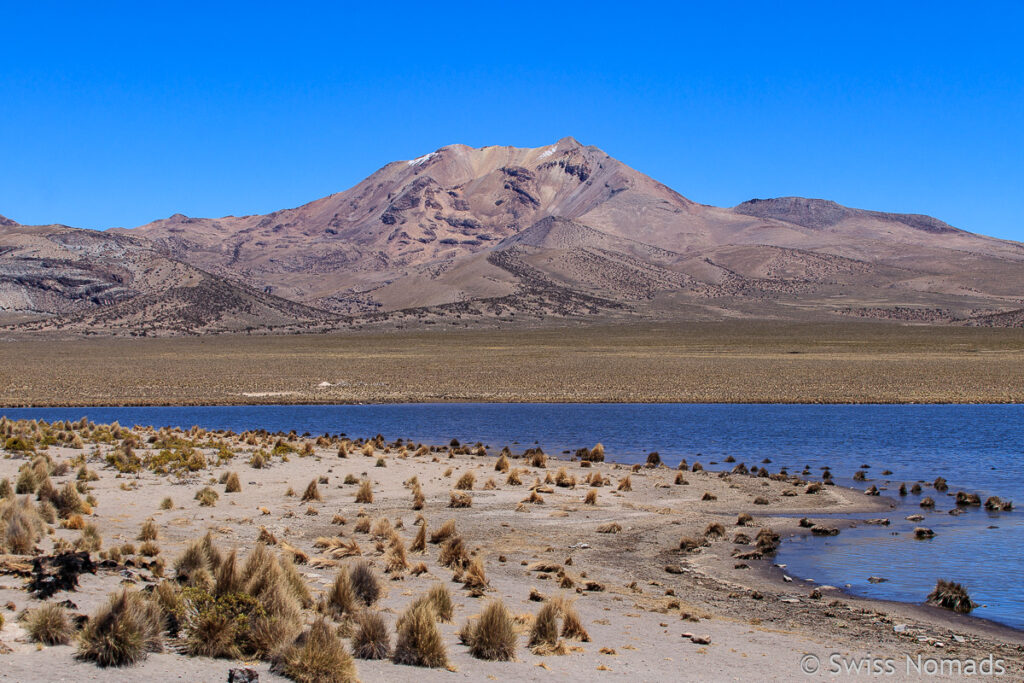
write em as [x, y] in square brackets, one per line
[562, 231]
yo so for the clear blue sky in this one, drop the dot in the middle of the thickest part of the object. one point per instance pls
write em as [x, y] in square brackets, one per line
[114, 115]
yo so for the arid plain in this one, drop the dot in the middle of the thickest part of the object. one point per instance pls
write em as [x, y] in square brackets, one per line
[741, 361]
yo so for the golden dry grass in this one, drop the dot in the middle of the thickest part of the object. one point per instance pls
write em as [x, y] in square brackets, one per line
[714, 362]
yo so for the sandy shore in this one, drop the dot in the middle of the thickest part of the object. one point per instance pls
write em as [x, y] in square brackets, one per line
[639, 596]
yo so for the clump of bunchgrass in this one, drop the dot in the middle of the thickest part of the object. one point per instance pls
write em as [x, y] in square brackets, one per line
[544, 631]
[492, 636]
[459, 499]
[419, 642]
[444, 532]
[232, 484]
[311, 493]
[952, 596]
[123, 631]
[371, 639]
[365, 492]
[316, 656]
[365, 584]
[207, 497]
[149, 531]
[49, 624]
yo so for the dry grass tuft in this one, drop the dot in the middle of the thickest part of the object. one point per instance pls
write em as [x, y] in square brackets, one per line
[534, 498]
[591, 497]
[465, 482]
[564, 479]
[572, 625]
[90, 541]
[311, 493]
[341, 599]
[419, 641]
[475, 578]
[441, 602]
[395, 562]
[21, 525]
[49, 625]
[74, 522]
[952, 596]
[714, 530]
[609, 528]
[365, 584]
[123, 631]
[459, 499]
[626, 484]
[444, 532]
[419, 544]
[317, 656]
[207, 497]
[365, 492]
[371, 639]
[149, 531]
[492, 636]
[544, 632]
[453, 553]
[232, 484]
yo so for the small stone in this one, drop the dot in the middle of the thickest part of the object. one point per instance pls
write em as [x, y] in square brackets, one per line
[243, 675]
[877, 579]
[959, 639]
[700, 640]
[787, 579]
[900, 628]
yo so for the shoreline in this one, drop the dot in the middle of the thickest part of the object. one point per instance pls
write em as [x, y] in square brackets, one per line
[756, 621]
[476, 400]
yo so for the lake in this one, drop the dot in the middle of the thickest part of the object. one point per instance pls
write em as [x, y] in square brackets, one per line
[977, 448]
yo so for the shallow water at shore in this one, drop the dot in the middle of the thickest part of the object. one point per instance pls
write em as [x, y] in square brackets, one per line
[977, 448]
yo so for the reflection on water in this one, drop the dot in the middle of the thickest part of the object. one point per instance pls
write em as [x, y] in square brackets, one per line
[976, 447]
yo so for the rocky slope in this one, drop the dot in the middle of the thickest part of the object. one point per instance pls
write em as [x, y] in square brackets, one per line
[473, 235]
[63, 278]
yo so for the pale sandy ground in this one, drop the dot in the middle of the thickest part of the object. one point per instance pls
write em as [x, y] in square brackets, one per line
[751, 639]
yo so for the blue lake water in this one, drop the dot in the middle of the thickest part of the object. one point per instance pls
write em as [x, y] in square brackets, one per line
[977, 448]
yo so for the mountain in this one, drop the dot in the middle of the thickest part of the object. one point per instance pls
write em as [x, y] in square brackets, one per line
[470, 236]
[60, 278]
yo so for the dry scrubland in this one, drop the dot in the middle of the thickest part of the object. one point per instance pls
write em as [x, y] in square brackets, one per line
[328, 559]
[706, 362]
